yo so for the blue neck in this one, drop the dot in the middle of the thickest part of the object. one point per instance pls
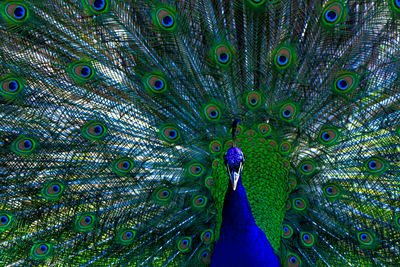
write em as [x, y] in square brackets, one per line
[237, 212]
[241, 242]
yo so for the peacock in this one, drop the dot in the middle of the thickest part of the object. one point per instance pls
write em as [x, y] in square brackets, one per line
[196, 133]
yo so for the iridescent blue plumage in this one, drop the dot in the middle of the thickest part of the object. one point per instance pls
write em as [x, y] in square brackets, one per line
[241, 242]
[115, 116]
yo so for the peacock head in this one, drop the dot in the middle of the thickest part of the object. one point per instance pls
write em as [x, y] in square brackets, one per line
[234, 159]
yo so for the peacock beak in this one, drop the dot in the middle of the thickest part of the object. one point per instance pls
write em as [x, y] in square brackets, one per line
[234, 175]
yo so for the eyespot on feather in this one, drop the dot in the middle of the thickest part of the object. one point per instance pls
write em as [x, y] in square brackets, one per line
[165, 19]
[209, 182]
[376, 165]
[292, 183]
[307, 167]
[125, 236]
[284, 57]
[292, 260]
[285, 148]
[52, 190]
[122, 166]
[345, 83]
[41, 250]
[253, 100]
[85, 222]
[207, 236]
[328, 136]
[264, 129]
[184, 244]
[81, 71]
[94, 130]
[333, 13]
[288, 111]
[169, 133]
[15, 12]
[23, 146]
[155, 83]
[199, 201]
[195, 169]
[212, 112]
[162, 195]
[204, 256]
[6, 219]
[307, 239]
[299, 204]
[287, 231]
[366, 239]
[10, 87]
[222, 55]
[97, 7]
[215, 147]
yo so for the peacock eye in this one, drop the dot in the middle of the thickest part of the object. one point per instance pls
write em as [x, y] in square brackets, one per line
[122, 166]
[215, 147]
[204, 256]
[307, 239]
[81, 72]
[212, 112]
[125, 236]
[287, 231]
[307, 167]
[288, 112]
[94, 130]
[5, 221]
[16, 12]
[209, 182]
[253, 100]
[10, 87]
[283, 57]
[222, 55]
[207, 236]
[162, 195]
[155, 83]
[196, 169]
[264, 129]
[345, 82]
[199, 201]
[169, 133]
[285, 148]
[97, 7]
[85, 222]
[41, 251]
[292, 260]
[299, 204]
[184, 244]
[366, 239]
[165, 19]
[376, 165]
[333, 13]
[52, 190]
[23, 146]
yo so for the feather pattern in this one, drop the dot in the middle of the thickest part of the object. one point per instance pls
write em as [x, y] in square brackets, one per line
[115, 116]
